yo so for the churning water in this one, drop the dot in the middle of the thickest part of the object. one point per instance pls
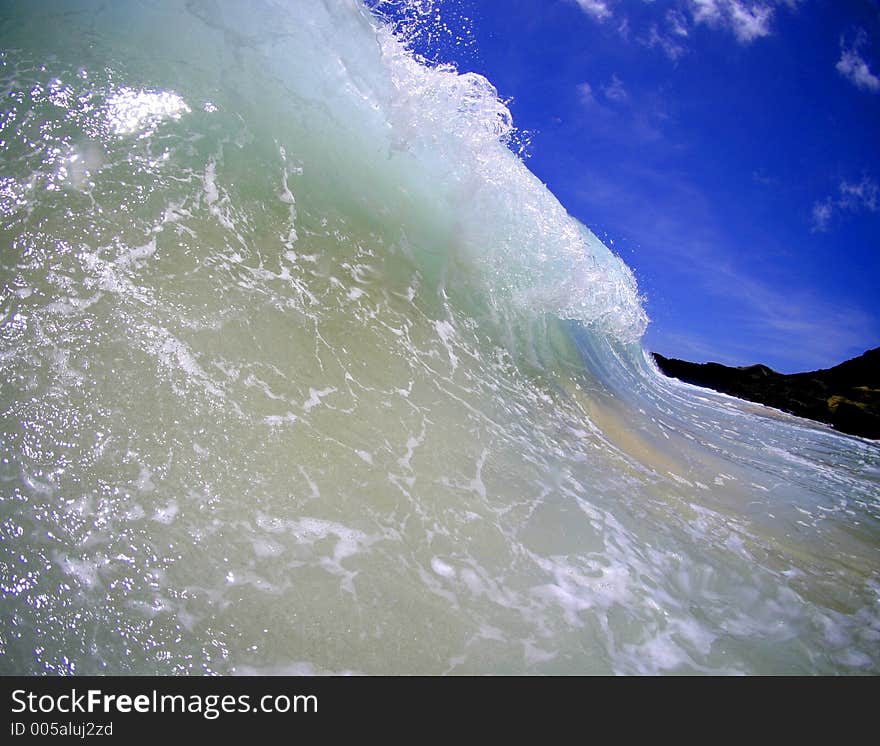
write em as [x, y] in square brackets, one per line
[304, 371]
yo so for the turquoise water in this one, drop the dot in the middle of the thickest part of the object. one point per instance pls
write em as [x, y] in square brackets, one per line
[303, 371]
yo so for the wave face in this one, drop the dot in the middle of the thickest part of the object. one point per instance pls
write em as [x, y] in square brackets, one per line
[304, 371]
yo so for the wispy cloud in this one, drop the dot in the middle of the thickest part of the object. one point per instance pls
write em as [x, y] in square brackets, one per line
[798, 333]
[797, 328]
[619, 118]
[857, 196]
[747, 20]
[615, 91]
[746, 314]
[677, 22]
[668, 33]
[854, 67]
[797, 325]
[585, 94]
[598, 9]
[822, 212]
[706, 11]
[750, 22]
[670, 43]
[764, 179]
[864, 194]
[668, 25]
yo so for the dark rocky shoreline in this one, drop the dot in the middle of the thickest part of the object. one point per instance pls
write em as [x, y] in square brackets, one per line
[847, 396]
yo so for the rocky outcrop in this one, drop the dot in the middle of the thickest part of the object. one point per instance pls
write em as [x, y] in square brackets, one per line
[846, 396]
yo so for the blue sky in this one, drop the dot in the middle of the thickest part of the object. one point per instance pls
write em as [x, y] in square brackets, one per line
[728, 150]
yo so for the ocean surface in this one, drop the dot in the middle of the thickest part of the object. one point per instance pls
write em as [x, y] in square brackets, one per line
[303, 371]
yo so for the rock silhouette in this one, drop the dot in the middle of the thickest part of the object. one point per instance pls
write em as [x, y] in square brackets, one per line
[847, 396]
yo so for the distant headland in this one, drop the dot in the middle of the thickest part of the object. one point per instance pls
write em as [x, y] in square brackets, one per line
[847, 396]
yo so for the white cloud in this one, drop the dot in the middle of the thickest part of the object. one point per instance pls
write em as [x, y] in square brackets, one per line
[747, 20]
[865, 194]
[677, 22]
[853, 66]
[852, 197]
[669, 43]
[822, 212]
[668, 25]
[585, 93]
[706, 11]
[750, 22]
[598, 9]
[615, 91]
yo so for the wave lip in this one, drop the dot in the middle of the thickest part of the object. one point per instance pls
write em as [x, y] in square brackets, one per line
[530, 252]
